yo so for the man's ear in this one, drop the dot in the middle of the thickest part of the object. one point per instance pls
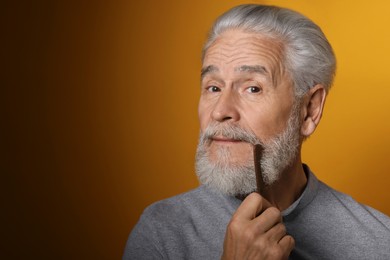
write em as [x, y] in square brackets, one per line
[313, 105]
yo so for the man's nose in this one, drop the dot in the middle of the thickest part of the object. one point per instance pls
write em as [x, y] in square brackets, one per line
[225, 108]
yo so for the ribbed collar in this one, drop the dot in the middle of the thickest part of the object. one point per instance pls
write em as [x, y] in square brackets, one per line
[307, 196]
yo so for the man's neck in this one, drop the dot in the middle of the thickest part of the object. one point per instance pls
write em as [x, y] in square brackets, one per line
[288, 188]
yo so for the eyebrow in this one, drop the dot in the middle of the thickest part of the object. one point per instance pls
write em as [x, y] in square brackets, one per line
[252, 69]
[244, 68]
[207, 70]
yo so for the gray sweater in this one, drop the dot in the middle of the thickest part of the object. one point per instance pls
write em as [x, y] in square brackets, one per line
[325, 224]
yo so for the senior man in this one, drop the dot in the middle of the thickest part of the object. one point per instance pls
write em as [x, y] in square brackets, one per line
[265, 77]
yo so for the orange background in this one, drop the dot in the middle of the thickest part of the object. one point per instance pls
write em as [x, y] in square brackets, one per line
[100, 114]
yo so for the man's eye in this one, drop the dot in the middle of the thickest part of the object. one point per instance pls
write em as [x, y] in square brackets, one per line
[254, 89]
[213, 89]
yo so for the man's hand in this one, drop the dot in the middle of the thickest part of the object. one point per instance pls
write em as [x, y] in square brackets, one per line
[256, 231]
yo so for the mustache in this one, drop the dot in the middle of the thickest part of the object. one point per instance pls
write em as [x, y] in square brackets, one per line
[228, 130]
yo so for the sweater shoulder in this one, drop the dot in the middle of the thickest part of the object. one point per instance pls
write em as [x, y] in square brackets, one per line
[177, 205]
[346, 205]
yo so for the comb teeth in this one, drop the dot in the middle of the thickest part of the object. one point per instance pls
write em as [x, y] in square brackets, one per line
[257, 154]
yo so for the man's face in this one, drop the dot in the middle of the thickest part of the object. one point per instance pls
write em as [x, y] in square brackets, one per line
[243, 85]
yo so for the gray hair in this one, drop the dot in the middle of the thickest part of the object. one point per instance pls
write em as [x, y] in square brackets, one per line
[308, 56]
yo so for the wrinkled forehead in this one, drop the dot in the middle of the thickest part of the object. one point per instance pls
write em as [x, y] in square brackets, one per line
[237, 48]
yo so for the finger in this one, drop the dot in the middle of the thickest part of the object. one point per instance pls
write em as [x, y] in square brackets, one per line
[287, 243]
[267, 220]
[251, 206]
[266, 204]
[277, 232]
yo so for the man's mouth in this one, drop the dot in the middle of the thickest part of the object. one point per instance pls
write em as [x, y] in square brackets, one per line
[226, 140]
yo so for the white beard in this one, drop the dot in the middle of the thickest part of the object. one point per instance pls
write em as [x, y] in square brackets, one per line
[233, 179]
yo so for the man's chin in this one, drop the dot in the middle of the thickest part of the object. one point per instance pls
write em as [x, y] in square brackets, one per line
[229, 158]
[227, 179]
